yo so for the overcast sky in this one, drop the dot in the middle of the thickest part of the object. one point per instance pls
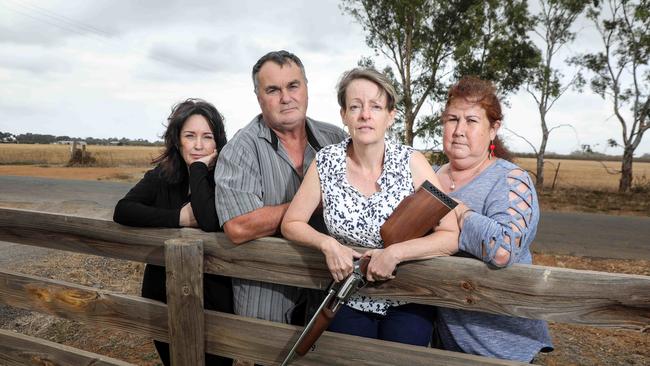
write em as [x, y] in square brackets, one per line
[114, 68]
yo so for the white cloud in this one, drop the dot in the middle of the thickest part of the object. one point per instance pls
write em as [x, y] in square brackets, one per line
[106, 68]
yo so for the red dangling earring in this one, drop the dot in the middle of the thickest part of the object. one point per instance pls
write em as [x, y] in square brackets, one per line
[492, 147]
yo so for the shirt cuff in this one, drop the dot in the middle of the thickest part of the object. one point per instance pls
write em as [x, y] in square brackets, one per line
[476, 235]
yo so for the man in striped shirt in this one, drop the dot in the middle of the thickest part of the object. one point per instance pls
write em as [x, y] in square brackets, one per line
[260, 169]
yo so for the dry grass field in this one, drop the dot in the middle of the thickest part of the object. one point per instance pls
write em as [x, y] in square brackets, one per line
[583, 174]
[586, 174]
[106, 156]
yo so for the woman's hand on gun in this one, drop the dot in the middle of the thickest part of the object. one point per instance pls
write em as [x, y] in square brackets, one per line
[382, 264]
[339, 258]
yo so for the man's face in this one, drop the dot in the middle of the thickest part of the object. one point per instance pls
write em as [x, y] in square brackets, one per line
[282, 95]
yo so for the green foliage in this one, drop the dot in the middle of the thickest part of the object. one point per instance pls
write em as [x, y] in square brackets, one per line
[553, 26]
[431, 43]
[428, 128]
[621, 70]
[499, 48]
[6, 137]
[546, 83]
[436, 158]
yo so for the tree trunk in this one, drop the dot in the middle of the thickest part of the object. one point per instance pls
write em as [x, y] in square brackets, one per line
[539, 181]
[625, 183]
[409, 120]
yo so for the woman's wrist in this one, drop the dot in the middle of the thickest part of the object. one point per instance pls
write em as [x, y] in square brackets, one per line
[396, 252]
[328, 245]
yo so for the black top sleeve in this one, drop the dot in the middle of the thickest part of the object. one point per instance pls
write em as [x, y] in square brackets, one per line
[202, 196]
[142, 205]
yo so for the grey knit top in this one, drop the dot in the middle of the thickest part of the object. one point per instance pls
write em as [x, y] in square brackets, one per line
[506, 215]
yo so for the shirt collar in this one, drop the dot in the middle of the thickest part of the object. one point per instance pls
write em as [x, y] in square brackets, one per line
[390, 164]
[269, 135]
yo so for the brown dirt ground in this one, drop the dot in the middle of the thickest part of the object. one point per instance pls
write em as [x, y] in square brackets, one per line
[122, 174]
[595, 201]
[574, 344]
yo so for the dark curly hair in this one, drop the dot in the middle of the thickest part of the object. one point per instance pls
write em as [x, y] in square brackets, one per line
[174, 169]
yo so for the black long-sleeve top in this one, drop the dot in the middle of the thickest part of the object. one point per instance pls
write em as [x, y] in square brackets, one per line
[154, 202]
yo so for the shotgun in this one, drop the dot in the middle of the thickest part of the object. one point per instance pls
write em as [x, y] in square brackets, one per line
[414, 217]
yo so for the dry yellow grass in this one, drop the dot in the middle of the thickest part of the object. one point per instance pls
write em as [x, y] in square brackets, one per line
[572, 174]
[585, 173]
[107, 156]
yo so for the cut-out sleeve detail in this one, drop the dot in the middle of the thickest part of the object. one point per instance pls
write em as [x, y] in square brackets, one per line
[509, 221]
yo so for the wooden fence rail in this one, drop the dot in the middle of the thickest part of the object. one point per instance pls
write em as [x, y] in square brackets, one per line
[17, 349]
[563, 295]
[229, 335]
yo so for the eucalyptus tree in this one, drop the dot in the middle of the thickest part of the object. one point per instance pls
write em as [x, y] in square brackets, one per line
[430, 43]
[621, 71]
[547, 83]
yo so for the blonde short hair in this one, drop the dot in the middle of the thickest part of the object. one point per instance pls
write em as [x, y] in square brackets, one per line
[372, 75]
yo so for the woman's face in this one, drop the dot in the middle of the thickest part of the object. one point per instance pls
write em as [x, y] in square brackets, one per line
[467, 132]
[365, 114]
[196, 139]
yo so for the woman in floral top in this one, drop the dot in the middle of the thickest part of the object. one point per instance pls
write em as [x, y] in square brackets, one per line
[359, 182]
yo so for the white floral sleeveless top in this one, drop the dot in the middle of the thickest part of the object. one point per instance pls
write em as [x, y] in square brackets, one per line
[355, 219]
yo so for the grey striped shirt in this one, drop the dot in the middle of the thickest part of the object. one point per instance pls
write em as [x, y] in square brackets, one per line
[253, 171]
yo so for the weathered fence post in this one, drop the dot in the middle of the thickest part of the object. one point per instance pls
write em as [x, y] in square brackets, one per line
[184, 269]
[557, 170]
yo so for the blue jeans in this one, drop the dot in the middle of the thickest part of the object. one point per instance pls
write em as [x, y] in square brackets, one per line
[409, 324]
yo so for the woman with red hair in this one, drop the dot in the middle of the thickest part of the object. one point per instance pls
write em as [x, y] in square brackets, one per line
[498, 220]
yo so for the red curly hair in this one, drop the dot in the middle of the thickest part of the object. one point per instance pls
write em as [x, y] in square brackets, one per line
[483, 93]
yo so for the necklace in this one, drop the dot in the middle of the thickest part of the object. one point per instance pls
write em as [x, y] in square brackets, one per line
[452, 186]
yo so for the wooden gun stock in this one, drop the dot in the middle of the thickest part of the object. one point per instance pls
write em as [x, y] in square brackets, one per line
[337, 295]
[416, 215]
[323, 321]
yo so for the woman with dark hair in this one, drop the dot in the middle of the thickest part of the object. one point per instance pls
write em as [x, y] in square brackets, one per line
[498, 220]
[179, 192]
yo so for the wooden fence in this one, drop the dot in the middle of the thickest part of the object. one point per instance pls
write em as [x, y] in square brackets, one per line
[563, 295]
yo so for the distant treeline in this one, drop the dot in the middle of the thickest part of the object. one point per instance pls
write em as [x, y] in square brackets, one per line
[35, 138]
[582, 155]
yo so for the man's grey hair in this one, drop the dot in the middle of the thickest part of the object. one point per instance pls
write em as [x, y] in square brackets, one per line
[279, 57]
